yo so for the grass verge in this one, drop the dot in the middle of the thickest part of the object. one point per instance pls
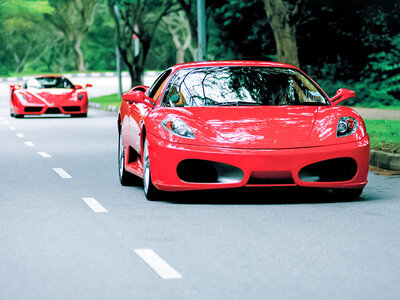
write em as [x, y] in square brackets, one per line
[384, 135]
[107, 100]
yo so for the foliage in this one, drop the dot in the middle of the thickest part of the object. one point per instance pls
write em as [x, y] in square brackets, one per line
[137, 20]
[23, 34]
[72, 19]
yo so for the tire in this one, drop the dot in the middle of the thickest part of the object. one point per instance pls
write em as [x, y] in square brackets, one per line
[79, 115]
[125, 178]
[348, 194]
[150, 191]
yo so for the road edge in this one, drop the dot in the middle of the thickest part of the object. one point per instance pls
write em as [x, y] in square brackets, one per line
[385, 160]
[111, 108]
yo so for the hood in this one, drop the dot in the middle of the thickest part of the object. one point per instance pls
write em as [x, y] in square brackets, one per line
[52, 97]
[256, 127]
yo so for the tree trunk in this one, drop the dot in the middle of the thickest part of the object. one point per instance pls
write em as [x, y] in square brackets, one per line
[79, 61]
[279, 14]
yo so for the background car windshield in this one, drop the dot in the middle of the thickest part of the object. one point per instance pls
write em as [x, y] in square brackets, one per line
[49, 82]
[219, 86]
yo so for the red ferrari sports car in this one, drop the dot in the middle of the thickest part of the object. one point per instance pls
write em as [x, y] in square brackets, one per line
[48, 95]
[213, 125]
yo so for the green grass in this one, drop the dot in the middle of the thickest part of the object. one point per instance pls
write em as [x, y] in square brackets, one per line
[107, 100]
[384, 135]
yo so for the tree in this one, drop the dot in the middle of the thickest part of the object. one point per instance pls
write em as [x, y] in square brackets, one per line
[280, 15]
[137, 19]
[73, 18]
[23, 33]
[178, 26]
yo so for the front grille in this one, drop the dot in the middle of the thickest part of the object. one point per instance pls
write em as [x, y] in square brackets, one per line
[71, 108]
[270, 177]
[33, 109]
[53, 110]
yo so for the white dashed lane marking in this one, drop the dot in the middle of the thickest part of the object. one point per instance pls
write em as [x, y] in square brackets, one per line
[20, 135]
[94, 205]
[62, 173]
[12, 128]
[44, 154]
[6, 122]
[160, 266]
[29, 144]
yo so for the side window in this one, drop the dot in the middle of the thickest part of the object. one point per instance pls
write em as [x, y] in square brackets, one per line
[158, 83]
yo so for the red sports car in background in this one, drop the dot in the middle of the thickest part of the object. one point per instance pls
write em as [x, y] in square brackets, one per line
[48, 95]
[212, 125]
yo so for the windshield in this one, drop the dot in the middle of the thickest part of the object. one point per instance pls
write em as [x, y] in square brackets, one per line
[231, 86]
[49, 83]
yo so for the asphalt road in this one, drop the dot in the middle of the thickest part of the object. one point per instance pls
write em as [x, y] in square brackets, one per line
[88, 237]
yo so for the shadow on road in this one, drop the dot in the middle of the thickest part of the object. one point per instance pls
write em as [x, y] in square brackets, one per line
[257, 196]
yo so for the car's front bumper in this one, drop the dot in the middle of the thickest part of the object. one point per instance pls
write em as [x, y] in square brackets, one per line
[67, 107]
[253, 167]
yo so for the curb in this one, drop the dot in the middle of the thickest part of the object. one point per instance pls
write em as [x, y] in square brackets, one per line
[111, 108]
[384, 160]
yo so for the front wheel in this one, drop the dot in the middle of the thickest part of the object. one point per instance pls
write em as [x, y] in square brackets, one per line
[84, 115]
[150, 191]
[125, 178]
[348, 194]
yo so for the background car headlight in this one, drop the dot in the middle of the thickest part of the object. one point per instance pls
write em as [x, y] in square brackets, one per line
[22, 97]
[346, 126]
[178, 127]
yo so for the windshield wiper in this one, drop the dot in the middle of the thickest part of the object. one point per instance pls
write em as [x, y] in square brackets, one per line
[236, 103]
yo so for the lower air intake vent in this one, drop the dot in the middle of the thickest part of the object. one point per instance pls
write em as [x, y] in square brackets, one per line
[338, 169]
[53, 110]
[33, 109]
[205, 171]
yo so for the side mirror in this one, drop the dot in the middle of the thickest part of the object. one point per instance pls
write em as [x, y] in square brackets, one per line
[341, 95]
[138, 96]
[88, 85]
[78, 86]
[15, 86]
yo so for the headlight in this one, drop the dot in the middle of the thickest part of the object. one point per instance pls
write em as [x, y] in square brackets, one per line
[178, 127]
[80, 96]
[346, 126]
[21, 97]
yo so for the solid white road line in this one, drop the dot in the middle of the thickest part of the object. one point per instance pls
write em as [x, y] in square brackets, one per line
[44, 154]
[160, 266]
[20, 135]
[62, 173]
[12, 128]
[29, 144]
[94, 205]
